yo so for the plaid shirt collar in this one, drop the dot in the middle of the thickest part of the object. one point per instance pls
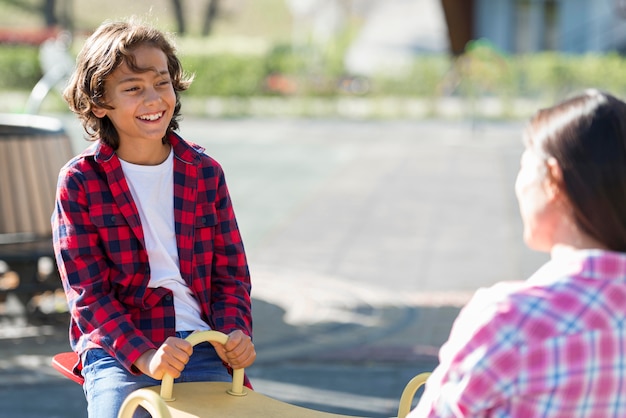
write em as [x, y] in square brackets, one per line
[592, 264]
[185, 151]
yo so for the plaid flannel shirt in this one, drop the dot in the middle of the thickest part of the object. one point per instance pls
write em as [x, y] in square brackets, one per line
[103, 264]
[553, 346]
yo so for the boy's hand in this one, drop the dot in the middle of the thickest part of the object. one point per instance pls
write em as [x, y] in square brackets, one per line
[170, 358]
[238, 352]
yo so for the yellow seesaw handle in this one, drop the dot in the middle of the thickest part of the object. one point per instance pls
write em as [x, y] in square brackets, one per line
[409, 393]
[149, 400]
[167, 384]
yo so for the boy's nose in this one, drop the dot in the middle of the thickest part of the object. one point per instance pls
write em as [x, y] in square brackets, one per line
[152, 95]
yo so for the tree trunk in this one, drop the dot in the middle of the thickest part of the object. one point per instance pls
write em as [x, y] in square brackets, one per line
[180, 16]
[459, 20]
[49, 13]
[211, 13]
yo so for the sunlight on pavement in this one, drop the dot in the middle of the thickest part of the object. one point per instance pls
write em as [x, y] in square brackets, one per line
[299, 393]
[308, 298]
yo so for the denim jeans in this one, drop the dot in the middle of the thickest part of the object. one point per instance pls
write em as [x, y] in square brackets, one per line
[108, 383]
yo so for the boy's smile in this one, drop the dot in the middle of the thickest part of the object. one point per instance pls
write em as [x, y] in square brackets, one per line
[143, 105]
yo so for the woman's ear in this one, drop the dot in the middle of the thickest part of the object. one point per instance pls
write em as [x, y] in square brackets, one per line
[554, 178]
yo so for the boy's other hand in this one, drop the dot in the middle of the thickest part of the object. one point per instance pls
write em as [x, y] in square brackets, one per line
[238, 352]
[170, 358]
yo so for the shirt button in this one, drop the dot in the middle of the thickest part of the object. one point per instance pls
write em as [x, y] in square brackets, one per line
[113, 218]
[168, 297]
[203, 220]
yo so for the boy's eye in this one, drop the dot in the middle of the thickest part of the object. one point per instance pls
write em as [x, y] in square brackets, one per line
[130, 89]
[164, 82]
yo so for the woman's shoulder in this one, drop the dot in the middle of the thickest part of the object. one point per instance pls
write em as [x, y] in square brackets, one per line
[565, 296]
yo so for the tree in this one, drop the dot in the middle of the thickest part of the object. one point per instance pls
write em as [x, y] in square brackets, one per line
[180, 16]
[210, 15]
[49, 14]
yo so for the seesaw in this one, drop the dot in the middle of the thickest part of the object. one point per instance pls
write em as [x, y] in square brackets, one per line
[218, 399]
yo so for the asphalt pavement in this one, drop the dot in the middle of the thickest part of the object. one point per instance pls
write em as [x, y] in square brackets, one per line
[364, 240]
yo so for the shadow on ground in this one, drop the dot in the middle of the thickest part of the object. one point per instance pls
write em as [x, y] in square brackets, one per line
[343, 368]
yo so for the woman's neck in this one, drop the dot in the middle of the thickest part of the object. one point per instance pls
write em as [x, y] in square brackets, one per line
[583, 242]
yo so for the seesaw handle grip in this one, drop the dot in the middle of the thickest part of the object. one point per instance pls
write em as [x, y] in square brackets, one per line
[167, 384]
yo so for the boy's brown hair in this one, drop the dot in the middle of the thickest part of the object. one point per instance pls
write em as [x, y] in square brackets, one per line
[104, 51]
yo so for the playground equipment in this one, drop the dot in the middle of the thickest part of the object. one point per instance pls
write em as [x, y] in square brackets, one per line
[218, 399]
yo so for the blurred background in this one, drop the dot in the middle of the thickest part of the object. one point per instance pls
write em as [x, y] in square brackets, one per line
[359, 58]
[370, 148]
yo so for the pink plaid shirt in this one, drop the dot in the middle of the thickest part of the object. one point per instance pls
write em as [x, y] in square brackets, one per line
[552, 346]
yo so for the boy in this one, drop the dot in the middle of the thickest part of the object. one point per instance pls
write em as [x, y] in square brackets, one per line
[145, 236]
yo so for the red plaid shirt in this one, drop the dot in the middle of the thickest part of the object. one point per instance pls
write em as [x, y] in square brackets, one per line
[103, 263]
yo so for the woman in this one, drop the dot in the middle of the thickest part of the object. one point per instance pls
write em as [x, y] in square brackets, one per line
[554, 345]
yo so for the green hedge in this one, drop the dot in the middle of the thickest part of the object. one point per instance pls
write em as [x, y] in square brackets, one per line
[480, 72]
[224, 75]
[19, 67]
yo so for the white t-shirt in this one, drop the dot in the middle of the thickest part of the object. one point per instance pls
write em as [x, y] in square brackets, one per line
[152, 188]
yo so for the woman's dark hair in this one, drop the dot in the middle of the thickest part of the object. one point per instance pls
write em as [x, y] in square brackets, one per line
[586, 134]
[104, 51]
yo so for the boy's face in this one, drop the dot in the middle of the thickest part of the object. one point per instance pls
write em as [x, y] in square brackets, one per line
[143, 103]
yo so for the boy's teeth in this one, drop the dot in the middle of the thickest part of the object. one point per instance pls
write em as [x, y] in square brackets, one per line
[150, 117]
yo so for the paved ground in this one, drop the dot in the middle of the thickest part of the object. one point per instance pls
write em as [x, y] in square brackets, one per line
[364, 239]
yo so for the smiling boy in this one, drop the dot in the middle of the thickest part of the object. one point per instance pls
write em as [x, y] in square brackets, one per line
[145, 235]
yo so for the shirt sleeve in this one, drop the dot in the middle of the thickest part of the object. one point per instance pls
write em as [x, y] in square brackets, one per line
[230, 295]
[86, 273]
[478, 364]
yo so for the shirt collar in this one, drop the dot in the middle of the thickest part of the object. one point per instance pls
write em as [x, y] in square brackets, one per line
[593, 264]
[186, 152]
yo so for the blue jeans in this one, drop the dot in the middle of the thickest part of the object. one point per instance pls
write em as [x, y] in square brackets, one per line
[108, 383]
